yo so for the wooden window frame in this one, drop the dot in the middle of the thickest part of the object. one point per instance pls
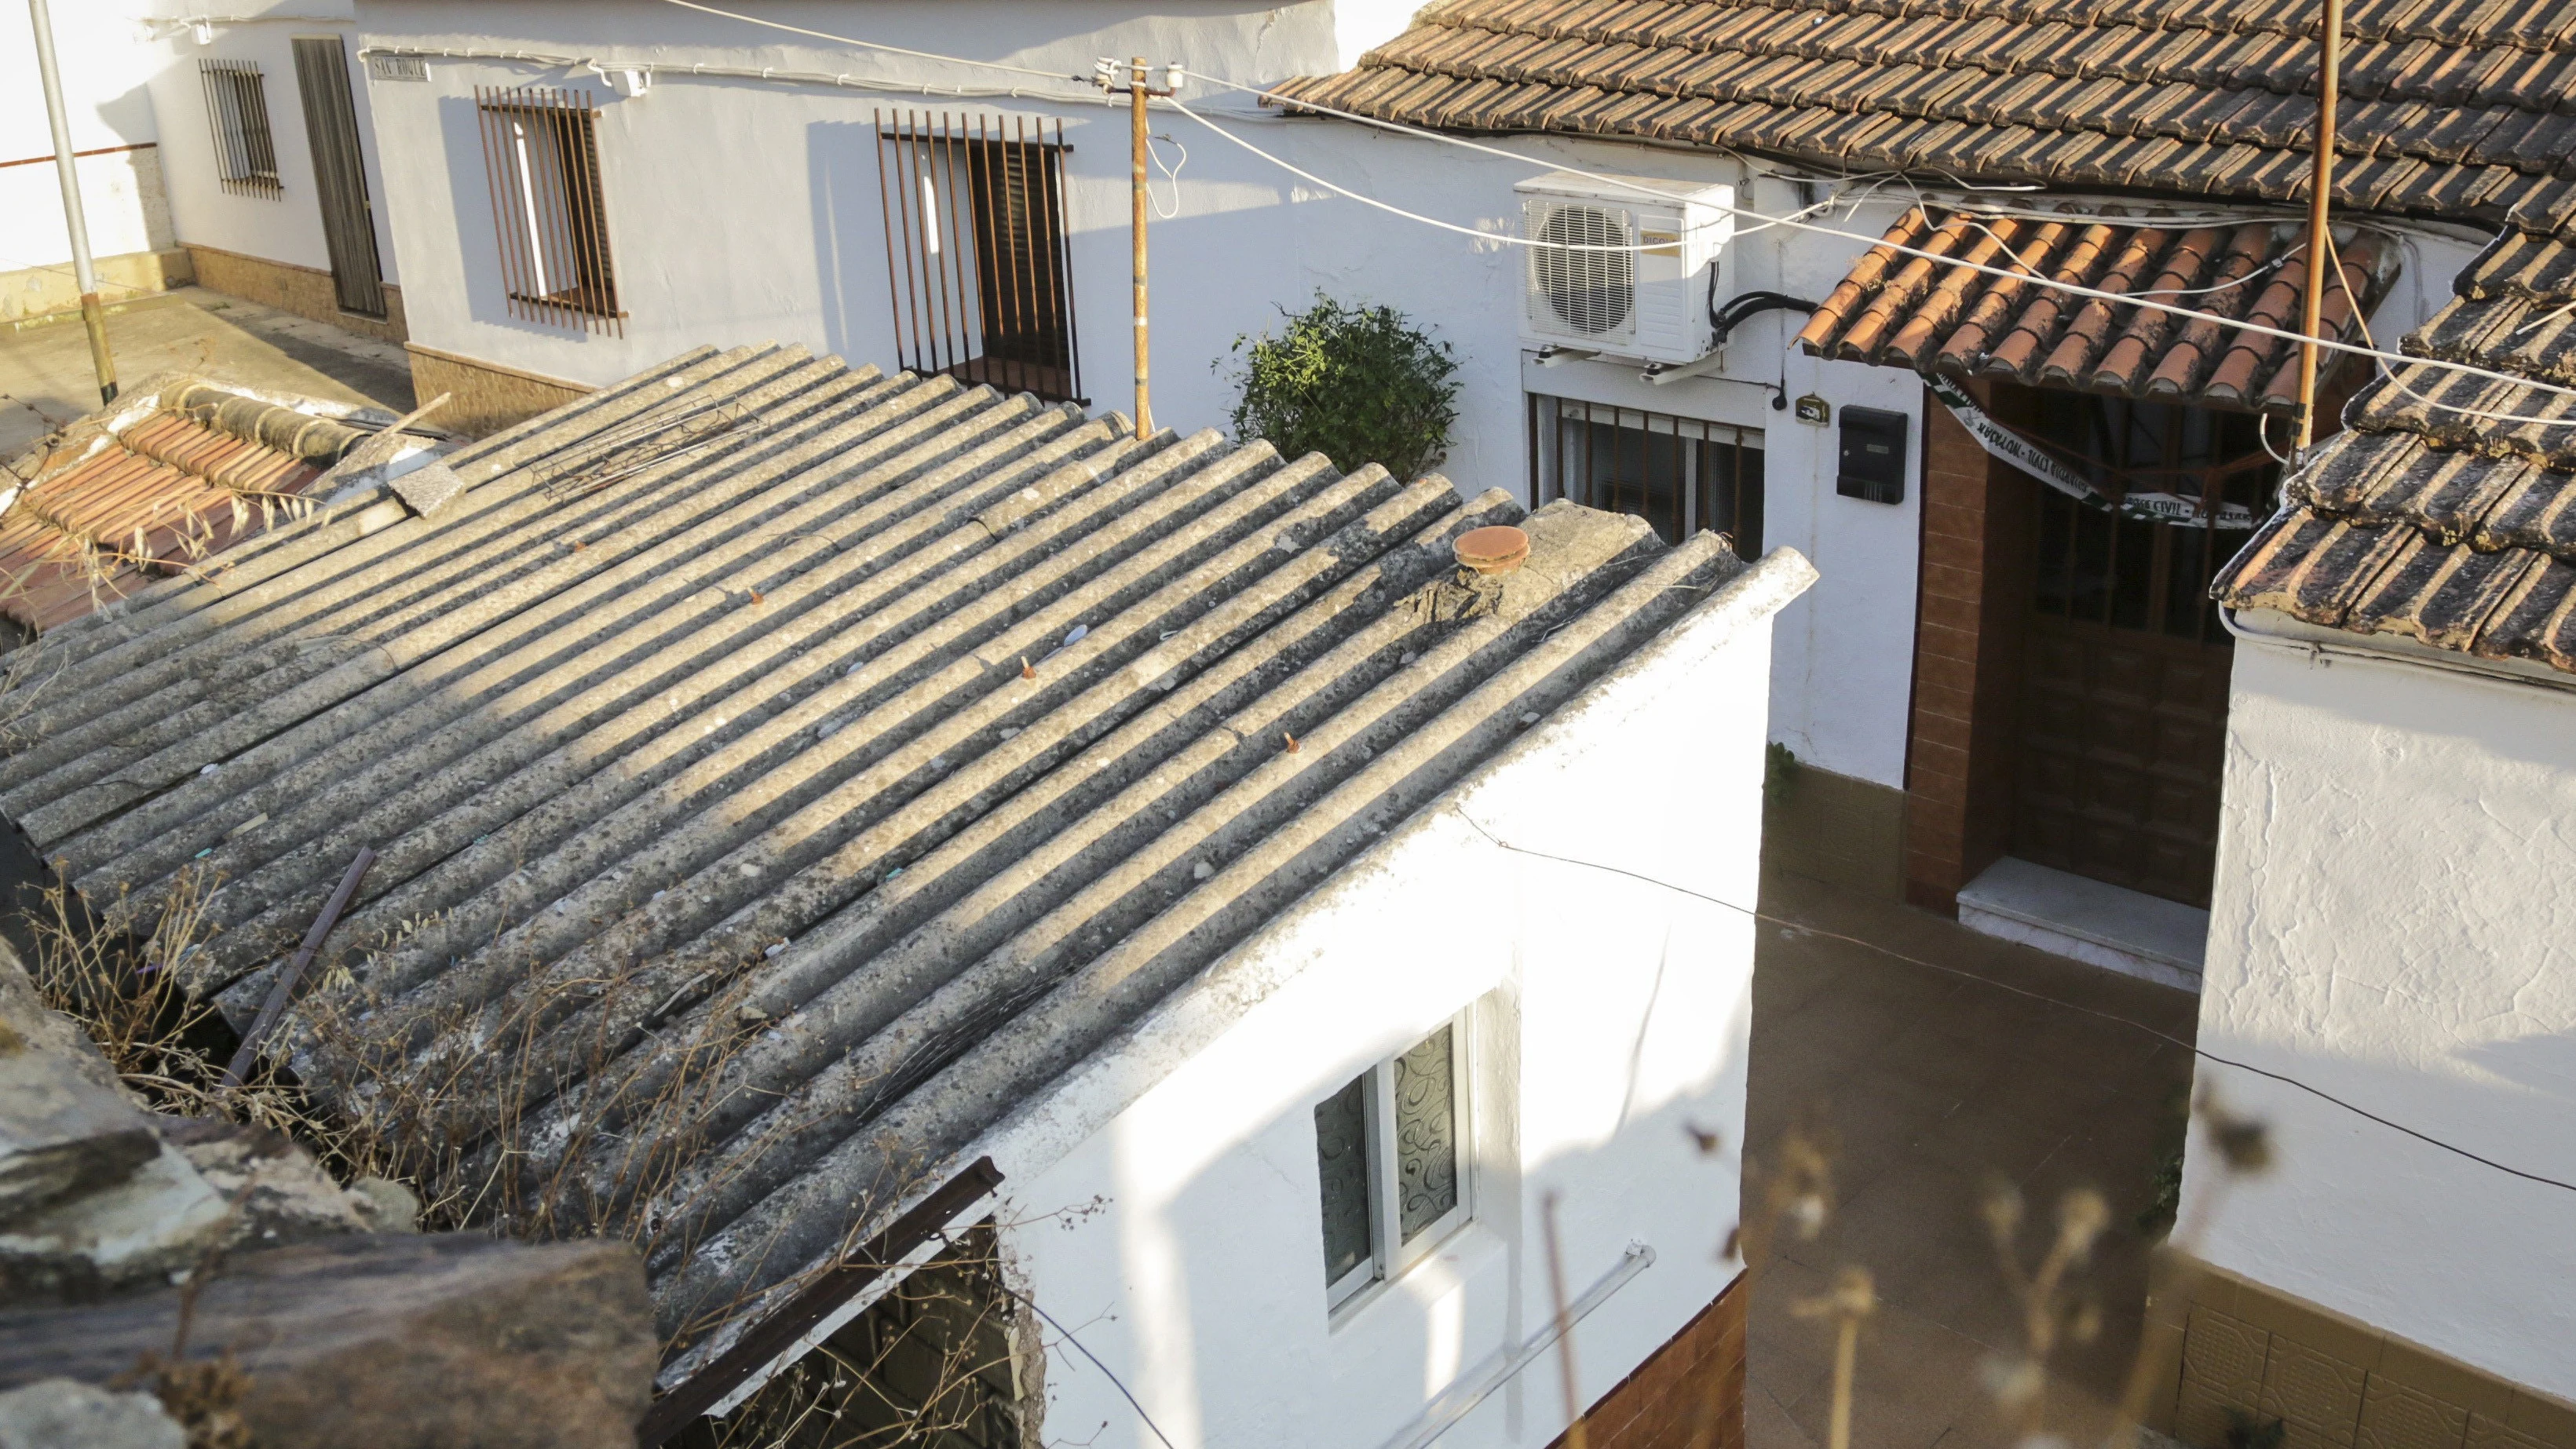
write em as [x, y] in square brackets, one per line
[237, 118]
[549, 206]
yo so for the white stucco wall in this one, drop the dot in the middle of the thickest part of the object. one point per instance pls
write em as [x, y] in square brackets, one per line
[1163, 1203]
[2393, 923]
[104, 61]
[285, 228]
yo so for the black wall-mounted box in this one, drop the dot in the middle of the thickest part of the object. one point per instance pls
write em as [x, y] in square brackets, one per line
[1873, 462]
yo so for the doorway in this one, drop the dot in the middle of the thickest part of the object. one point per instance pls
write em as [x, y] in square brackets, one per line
[2122, 712]
[340, 174]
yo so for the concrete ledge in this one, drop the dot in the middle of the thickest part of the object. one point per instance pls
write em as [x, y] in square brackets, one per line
[2088, 920]
[36, 294]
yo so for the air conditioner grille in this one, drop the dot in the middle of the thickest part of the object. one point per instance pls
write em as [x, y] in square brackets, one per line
[1592, 292]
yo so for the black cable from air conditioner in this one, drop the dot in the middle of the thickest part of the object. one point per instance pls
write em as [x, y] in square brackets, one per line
[1744, 305]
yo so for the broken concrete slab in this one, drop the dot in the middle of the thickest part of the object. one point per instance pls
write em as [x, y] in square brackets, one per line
[389, 1340]
[67, 1414]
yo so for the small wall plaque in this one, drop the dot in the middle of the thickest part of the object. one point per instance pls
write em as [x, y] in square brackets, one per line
[397, 68]
[1814, 409]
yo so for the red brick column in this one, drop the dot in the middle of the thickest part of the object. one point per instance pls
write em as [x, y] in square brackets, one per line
[1688, 1395]
[1958, 770]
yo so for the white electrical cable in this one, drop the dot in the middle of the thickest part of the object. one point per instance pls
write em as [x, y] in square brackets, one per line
[1627, 184]
[1171, 173]
[2129, 299]
[873, 45]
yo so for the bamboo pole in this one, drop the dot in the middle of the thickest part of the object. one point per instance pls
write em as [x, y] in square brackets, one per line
[2320, 190]
[1137, 91]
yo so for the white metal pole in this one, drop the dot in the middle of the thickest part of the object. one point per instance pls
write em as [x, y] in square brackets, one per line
[93, 316]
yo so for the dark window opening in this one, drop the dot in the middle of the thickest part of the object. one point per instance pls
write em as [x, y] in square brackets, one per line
[977, 269]
[237, 114]
[549, 212]
[2097, 566]
[1678, 474]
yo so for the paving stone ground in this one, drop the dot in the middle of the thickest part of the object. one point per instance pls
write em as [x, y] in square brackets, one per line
[46, 379]
[2009, 1065]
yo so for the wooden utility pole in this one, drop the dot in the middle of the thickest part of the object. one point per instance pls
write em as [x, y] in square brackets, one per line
[1138, 93]
[2320, 188]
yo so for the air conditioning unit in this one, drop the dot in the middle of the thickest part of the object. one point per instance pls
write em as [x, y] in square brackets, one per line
[1623, 266]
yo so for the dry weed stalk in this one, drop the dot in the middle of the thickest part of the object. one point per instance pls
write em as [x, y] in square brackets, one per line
[1853, 1299]
[2054, 1308]
[932, 1362]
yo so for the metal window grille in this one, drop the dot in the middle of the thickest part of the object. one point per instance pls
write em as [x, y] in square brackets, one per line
[237, 114]
[1679, 474]
[541, 156]
[977, 268]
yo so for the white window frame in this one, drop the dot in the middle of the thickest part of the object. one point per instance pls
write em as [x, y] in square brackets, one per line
[1390, 1256]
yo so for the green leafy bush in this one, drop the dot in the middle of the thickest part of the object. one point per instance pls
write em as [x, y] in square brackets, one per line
[1356, 384]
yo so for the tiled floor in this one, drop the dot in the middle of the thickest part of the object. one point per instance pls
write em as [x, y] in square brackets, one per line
[1931, 1085]
[46, 380]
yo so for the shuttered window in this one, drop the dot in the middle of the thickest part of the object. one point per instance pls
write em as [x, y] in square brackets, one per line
[979, 275]
[237, 115]
[549, 212]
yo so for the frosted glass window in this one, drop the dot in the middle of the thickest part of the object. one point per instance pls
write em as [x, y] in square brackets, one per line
[1390, 1150]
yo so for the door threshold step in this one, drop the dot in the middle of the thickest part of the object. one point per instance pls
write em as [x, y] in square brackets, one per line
[2087, 920]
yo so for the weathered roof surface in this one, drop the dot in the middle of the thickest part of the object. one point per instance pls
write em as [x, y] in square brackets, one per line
[2457, 108]
[140, 495]
[2447, 514]
[1901, 310]
[762, 819]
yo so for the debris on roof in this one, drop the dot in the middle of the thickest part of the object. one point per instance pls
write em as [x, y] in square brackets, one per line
[1900, 310]
[764, 811]
[2453, 111]
[179, 471]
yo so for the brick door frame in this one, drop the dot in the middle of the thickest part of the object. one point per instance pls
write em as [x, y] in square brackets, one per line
[1971, 577]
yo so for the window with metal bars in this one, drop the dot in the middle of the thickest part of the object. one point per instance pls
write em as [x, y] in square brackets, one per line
[237, 114]
[1679, 474]
[976, 262]
[549, 213]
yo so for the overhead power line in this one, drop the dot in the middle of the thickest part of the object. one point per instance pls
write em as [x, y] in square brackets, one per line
[2192, 1047]
[2391, 360]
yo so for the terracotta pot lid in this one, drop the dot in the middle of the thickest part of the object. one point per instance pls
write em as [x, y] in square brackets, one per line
[1497, 549]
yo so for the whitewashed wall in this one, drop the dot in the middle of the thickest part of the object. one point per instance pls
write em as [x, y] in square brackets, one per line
[104, 60]
[2394, 923]
[285, 228]
[1169, 1213]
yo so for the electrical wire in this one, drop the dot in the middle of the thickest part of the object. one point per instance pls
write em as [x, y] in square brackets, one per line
[2072, 289]
[1796, 925]
[1171, 173]
[873, 45]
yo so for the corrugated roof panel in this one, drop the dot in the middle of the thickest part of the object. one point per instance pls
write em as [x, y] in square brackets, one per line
[794, 808]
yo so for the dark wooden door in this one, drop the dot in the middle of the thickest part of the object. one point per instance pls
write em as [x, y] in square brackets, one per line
[2123, 733]
[340, 174]
[2122, 711]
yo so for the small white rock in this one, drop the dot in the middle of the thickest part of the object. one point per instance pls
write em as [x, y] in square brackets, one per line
[1202, 871]
[748, 869]
[1529, 719]
[775, 951]
[210, 769]
[1006, 734]
[1409, 657]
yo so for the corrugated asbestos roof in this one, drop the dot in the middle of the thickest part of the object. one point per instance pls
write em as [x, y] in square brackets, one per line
[200, 470]
[762, 825]
[1899, 310]
[2451, 526]
[2461, 109]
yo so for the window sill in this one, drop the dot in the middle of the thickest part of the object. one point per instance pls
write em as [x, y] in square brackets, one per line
[1460, 1255]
